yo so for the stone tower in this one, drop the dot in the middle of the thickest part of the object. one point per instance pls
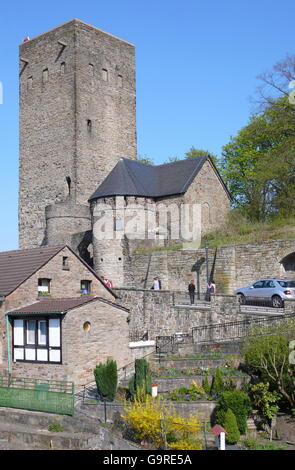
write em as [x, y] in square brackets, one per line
[77, 119]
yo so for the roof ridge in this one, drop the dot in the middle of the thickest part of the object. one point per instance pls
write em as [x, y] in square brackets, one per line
[184, 160]
[18, 250]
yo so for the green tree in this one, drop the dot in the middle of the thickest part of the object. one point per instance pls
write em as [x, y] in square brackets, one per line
[206, 386]
[239, 403]
[217, 386]
[264, 400]
[140, 384]
[266, 352]
[230, 425]
[106, 378]
[258, 164]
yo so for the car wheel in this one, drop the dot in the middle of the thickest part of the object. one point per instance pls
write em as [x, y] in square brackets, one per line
[241, 299]
[277, 301]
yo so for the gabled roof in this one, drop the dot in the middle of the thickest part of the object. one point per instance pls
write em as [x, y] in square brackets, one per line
[54, 305]
[59, 306]
[133, 178]
[18, 265]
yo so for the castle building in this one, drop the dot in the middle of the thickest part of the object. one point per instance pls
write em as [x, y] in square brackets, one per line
[80, 182]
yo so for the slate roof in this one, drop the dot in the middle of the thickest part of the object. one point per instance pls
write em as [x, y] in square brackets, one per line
[133, 178]
[18, 265]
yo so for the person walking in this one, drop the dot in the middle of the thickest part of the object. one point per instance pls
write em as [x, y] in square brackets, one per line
[211, 289]
[191, 290]
[156, 284]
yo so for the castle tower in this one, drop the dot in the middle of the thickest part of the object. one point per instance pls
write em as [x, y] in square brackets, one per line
[77, 119]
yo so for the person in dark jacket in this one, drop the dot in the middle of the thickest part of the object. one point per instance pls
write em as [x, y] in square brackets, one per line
[191, 290]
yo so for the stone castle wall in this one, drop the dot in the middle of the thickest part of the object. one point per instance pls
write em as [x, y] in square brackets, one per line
[231, 266]
[157, 313]
[77, 118]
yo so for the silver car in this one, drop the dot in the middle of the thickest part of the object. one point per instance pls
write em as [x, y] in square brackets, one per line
[269, 290]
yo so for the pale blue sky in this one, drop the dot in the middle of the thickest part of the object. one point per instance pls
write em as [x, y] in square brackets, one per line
[197, 64]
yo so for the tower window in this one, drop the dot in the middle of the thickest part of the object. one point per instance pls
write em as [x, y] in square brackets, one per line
[120, 81]
[89, 125]
[91, 69]
[62, 68]
[30, 83]
[105, 75]
[65, 263]
[45, 75]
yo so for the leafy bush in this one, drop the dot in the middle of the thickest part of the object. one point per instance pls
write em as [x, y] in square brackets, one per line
[239, 403]
[253, 444]
[267, 356]
[106, 378]
[264, 400]
[153, 421]
[230, 425]
[192, 393]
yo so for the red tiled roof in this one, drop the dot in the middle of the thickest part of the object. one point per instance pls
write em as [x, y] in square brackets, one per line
[55, 305]
[18, 265]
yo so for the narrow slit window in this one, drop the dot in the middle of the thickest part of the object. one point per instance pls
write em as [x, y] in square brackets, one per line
[105, 75]
[45, 75]
[30, 83]
[120, 81]
[62, 68]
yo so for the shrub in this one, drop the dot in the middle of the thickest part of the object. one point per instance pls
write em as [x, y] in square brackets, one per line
[265, 400]
[267, 356]
[230, 425]
[239, 403]
[153, 421]
[217, 386]
[55, 427]
[192, 393]
[206, 386]
[140, 384]
[106, 378]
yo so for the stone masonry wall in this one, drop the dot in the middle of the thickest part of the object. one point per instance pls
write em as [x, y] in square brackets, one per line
[155, 312]
[208, 190]
[231, 266]
[64, 283]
